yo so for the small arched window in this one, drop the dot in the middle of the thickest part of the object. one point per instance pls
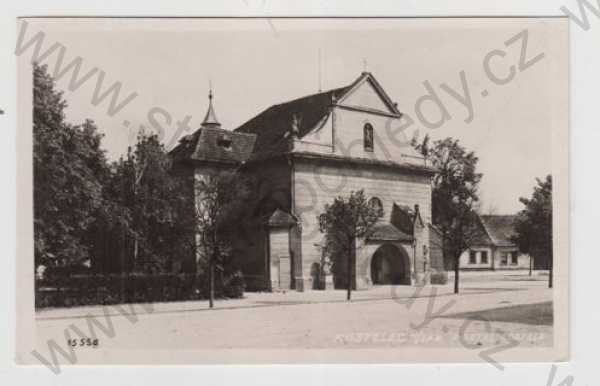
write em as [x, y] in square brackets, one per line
[375, 203]
[368, 137]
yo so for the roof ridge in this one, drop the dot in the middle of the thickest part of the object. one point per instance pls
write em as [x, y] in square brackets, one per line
[221, 129]
[312, 95]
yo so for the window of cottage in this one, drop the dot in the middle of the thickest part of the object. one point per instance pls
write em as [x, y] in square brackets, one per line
[472, 257]
[484, 257]
[514, 258]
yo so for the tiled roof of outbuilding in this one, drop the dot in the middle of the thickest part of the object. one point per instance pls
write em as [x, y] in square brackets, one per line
[500, 228]
[281, 218]
[217, 145]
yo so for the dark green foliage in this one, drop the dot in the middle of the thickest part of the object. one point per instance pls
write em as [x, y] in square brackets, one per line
[454, 196]
[85, 289]
[134, 217]
[533, 225]
[439, 277]
[69, 170]
[157, 202]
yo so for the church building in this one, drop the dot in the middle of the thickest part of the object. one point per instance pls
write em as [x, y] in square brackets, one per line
[302, 154]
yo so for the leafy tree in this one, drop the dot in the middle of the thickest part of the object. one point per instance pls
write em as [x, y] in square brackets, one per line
[131, 215]
[533, 225]
[155, 200]
[343, 222]
[69, 170]
[454, 196]
[220, 203]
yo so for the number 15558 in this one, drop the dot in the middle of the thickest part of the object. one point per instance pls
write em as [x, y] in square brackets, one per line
[83, 342]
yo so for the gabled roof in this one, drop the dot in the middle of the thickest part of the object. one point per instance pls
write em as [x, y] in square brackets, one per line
[215, 145]
[268, 134]
[499, 228]
[274, 125]
[388, 232]
[368, 77]
[404, 218]
[281, 218]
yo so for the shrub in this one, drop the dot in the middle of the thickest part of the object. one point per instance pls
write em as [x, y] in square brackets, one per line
[234, 285]
[79, 290]
[440, 277]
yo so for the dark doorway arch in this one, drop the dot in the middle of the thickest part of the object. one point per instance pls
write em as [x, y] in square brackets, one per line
[390, 265]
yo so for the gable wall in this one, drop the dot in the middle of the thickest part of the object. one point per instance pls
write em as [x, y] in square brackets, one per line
[390, 143]
[366, 96]
[318, 184]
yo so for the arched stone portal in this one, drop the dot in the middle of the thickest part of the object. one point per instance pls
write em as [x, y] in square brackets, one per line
[390, 265]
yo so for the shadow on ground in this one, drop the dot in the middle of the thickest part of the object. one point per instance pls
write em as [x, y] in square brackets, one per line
[538, 314]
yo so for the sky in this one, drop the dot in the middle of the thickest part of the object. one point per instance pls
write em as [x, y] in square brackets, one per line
[255, 63]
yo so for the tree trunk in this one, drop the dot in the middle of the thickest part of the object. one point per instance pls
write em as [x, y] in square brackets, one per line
[551, 274]
[135, 251]
[349, 276]
[211, 283]
[530, 265]
[456, 273]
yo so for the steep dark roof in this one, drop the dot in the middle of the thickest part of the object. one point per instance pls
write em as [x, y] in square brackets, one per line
[480, 237]
[403, 217]
[274, 125]
[267, 135]
[217, 145]
[500, 228]
[401, 226]
[388, 232]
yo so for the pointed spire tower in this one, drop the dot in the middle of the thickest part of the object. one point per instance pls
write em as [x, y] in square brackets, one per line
[210, 120]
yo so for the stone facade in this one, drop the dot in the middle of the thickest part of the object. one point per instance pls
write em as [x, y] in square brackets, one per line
[317, 184]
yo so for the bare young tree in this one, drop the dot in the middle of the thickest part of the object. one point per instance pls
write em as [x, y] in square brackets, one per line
[343, 222]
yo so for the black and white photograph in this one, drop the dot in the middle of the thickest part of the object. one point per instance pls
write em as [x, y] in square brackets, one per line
[293, 190]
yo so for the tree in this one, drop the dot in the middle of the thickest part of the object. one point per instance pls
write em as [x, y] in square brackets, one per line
[343, 222]
[69, 170]
[124, 216]
[221, 197]
[454, 196]
[155, 200]
[533, 225]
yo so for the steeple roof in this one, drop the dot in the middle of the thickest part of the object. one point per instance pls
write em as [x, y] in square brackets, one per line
[210, 119]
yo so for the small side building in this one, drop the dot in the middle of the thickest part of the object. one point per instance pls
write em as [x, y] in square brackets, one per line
[494, 250]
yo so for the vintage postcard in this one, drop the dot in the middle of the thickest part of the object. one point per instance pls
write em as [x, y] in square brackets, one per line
[292, 190]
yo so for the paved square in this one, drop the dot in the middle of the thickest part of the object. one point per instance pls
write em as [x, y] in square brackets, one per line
[489, 306]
